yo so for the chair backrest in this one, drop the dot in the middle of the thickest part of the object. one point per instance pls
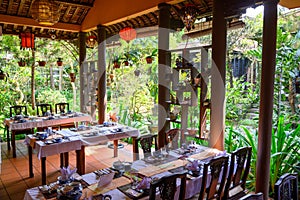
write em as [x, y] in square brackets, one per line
[167, 187]
[239, 169]
[146, 144]
[17, 110]
[172, 137]
[61, 108]
[258, 196]
[286, 188]
[44, 107]
[217, 169]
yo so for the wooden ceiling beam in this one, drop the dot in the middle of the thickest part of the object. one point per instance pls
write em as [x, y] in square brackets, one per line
[9, 8]
[74, 4]
[21, 5]
[65, 17]
[74, 15]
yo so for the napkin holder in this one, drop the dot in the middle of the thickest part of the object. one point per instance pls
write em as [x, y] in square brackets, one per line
[105, 179]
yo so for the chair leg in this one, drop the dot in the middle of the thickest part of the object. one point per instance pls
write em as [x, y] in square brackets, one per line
[7, 137]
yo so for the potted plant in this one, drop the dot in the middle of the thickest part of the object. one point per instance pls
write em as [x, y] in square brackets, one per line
[59, 62]
[22, 62]
[3, 75]
[116, 62]
[150, 57]
[42, 63]
[130, 57]
[72, 74]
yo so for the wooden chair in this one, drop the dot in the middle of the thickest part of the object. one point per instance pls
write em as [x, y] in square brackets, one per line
[146, 143]
[44, 107]
[217, 169]
[172, 136]
[167, 187]
[258, 196]
[61, 108]
[238, 173]
[286, 188]
[17, 110]
[13, 111]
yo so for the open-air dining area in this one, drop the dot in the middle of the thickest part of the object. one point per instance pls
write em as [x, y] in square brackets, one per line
[162, 99]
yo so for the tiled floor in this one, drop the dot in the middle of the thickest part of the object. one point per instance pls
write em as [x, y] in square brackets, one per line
[14, 173]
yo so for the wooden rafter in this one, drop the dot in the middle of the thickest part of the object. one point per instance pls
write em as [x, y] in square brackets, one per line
[74, 4]
[21, 5]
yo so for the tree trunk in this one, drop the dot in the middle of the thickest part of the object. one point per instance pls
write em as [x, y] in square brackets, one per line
[51, 77]
[33, 82]
[292, 97]
[60, 78]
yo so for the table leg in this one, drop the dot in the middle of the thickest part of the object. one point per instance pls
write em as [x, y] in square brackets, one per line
[61, 160]
[13, 143]
[66, 159]
[43, 165]
[7, 137]
[30, 161]
[115, 148]
[135, 149]
[80, 160]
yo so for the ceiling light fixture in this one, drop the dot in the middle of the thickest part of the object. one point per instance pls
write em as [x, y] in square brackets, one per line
[45, 12]
[188, 15]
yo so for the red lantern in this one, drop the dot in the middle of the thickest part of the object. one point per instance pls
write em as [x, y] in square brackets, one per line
[128, 34]
[27, 40]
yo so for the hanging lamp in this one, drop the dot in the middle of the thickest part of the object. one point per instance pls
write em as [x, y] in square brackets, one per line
[45, 12]
[91, 41]
[128, 34]
[188, 15]
[27, 40]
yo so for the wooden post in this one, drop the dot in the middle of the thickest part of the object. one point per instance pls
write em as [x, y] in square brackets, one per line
[266, 97]
[82, 55]
[164, 61]
[218, 71]
[101, 74]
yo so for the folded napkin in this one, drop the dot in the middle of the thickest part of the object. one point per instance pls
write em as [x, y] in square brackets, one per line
[144, 183]
[66, 173]
[222, 153]
[193, 166]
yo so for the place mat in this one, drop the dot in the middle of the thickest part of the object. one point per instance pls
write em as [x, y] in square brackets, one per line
[158, 161]
[152, 170]
[111, 186]
[205, 154]
[131, 193]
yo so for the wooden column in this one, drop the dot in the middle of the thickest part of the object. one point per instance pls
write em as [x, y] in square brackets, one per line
[266, 97]
[218, 70]
[164, 61]
[82, 55]
[101, 74]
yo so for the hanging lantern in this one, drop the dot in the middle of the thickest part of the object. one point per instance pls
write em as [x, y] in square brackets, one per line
[91, 41]
[27, 40]
[188, 16]
[127, 34]
[45, 12]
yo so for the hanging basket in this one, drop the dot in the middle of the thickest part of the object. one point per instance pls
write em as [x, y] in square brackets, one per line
[42, 63]
[21, 63]
[149, 59]
[126, 62]
[59, 62]
[116, 65]
[72, 77]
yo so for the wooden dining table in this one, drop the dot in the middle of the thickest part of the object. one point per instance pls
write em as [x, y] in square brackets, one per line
[75, 139]
[144, 169]
[41, 122]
